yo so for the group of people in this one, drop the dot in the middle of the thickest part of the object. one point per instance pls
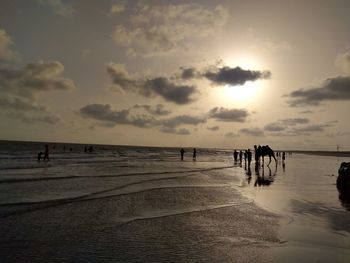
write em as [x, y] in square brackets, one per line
[239, 156]
[194, 155]
[46, 154]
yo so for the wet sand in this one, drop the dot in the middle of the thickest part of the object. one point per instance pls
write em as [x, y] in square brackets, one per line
[169, 224]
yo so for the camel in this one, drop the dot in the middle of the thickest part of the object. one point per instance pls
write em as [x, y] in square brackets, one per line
[263, 151]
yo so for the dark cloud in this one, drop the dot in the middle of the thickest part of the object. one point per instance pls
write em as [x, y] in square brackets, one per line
[182, 119]
[19, 104]
[231, 135]
[274, 127]
[179, 94]
[306, 112]
[181, 131]
[294, 121]
[252, 131]
[33, 79]
[105, 113]
[159, 86]
[34, 118]
[228, 115]
[214, 128]
[158, 110]
[188, 73]
[234, 76]
[333, 89]
[312, 128]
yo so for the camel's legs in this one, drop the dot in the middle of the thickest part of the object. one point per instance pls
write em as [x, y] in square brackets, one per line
[270, 160]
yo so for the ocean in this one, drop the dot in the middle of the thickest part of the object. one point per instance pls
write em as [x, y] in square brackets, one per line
[143, 204]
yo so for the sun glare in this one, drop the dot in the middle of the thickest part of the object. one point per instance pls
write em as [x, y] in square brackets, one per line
[241, 93]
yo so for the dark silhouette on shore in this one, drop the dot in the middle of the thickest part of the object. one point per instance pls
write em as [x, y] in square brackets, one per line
[240, 156]
[39, 156]
[182, 152]
[343, 184]
[249, 157]
[46, 153]
[262, 151]
[235, 155]
[194, 154]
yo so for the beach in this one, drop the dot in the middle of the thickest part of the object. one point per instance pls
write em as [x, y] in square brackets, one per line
[143, 204]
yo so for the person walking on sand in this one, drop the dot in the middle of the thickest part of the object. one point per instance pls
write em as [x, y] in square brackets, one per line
[235, 154]
[283, 156]
[182, 152]
[46, 153]
[194, 154]
[240, 156]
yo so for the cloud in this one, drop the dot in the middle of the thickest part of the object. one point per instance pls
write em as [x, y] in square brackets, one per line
[19, 104]
[181, 120]
[104, 112]
[234, 76]
[332, 89]
[58, 7]
[181, 131]
[252, 131]
[231, 135]
[158, 110]
[117, 8]
[152, 87]
[47, 118]
[214, 128]
[312, 128]
[306, 112]
[274, 127]
[163, 28]
[33, 79]
[188, 73]
[6, 53]
[228, 115]
[294, 121]
[343, 62]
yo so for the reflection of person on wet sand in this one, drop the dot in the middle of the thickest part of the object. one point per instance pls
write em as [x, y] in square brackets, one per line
[182, 152]
[194, 154]
[46, 153]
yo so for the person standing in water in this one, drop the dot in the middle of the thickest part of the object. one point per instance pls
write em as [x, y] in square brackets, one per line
[194, 154]
[182, 152]
[46, 153]
[249, 157]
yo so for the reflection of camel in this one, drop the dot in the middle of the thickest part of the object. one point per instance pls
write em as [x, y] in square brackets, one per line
[263, 151]
[261, 180]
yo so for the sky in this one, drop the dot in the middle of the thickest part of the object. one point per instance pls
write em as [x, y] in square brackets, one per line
[222, 74]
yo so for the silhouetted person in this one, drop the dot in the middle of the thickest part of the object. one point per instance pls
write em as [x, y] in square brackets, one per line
[240, 156]
[85, 149]
[70, 149]
[46, 153]
[249, 157]
[245, 156]
[256, 155]
[91, 149]
[283, 156]
[194, 154]
[235, 155]
[39, 156]
[182, 152]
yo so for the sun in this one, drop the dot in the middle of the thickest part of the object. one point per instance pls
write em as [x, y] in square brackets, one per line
[242, 93]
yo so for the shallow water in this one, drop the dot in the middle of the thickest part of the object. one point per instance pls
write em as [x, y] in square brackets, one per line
[316, 222]
[142, 204]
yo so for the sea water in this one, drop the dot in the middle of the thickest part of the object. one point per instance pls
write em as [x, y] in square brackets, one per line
[143, 204]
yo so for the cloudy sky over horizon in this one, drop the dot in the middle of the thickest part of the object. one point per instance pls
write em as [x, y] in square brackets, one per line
[226, 74]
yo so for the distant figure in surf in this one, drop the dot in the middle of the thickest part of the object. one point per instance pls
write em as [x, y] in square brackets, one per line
[46, 153]
[249, 157]
[182, 152]
[283, 156]
[235, 155]
[194, 154]
[240, 156]
[39, 156]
